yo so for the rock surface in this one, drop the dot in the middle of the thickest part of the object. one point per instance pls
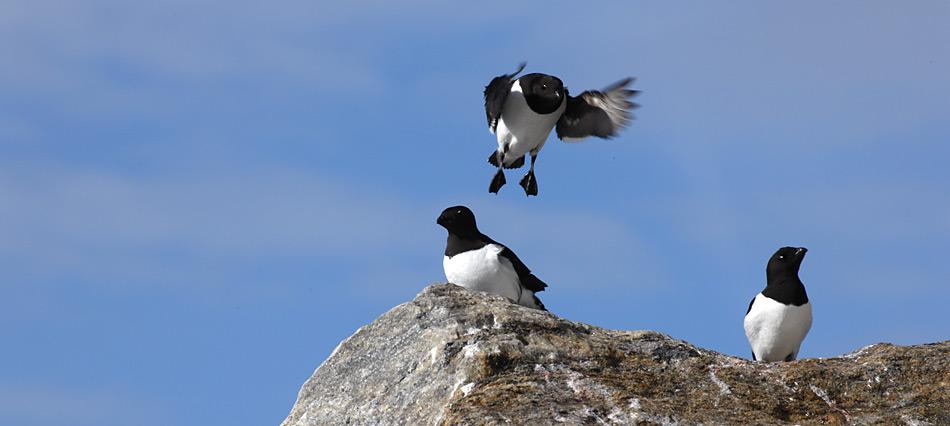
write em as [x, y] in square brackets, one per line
[452, 356]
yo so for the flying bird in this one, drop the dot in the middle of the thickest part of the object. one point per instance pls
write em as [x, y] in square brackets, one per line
[477, 262]
[779, 317]
[521, 113]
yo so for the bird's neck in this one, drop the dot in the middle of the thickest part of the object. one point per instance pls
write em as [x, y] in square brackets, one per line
[543, 105]
[456, 244]
[788, 290]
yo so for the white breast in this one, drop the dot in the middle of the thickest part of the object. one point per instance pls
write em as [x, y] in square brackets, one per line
[523, 129]
[775, 330]
[484, 270]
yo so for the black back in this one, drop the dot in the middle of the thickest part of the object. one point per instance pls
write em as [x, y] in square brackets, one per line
[783, 284]
[465, 236]
[543, 93]
[496, 92]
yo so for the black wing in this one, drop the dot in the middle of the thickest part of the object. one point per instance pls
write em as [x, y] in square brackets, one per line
[528, 280]
[495, 94]
[597, 113]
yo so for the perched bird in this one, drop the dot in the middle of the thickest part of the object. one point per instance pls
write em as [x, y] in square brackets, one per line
[477, 262]
[521, 113]
[779, 317]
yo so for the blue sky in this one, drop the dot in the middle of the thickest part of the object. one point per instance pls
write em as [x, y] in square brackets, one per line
[199, 200]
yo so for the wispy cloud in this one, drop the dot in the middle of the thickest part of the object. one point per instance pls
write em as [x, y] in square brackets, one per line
[200, 231]
[579, 248]
[83, 220]
[189, 156]
[32, 405]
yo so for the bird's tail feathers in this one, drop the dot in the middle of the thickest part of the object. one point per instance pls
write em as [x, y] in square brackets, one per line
[520, 68]
[529, 299]
[538, 302]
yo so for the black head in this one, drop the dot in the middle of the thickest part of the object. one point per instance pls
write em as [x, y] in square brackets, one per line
[459, 220]
[785, 262]
[544, 93]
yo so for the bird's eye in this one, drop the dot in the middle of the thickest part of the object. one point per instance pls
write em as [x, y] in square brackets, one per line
[781, 257]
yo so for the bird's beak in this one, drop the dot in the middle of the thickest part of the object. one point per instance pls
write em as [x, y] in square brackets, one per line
[801, 251]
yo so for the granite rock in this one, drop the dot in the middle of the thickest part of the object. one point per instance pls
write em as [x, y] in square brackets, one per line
[452, 356]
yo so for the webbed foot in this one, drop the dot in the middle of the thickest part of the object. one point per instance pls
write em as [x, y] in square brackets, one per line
[497, 182]
[530, 184]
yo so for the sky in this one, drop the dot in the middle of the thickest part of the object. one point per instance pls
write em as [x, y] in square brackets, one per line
[200, 199]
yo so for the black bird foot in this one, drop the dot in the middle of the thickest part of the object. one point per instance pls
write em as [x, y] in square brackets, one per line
[497, 182]
[530, 184]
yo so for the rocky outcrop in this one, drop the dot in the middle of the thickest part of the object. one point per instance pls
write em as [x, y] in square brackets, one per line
[452, 356]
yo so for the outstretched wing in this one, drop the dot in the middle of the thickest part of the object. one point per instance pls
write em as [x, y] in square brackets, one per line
[597, 113]
[495, 94]
[528, 280]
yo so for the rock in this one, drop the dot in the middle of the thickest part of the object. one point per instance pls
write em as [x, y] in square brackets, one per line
[452, 356]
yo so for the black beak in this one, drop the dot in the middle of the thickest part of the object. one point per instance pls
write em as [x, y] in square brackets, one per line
[801, 251]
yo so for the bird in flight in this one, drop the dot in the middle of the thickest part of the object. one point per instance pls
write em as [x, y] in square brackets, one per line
[522, 112]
